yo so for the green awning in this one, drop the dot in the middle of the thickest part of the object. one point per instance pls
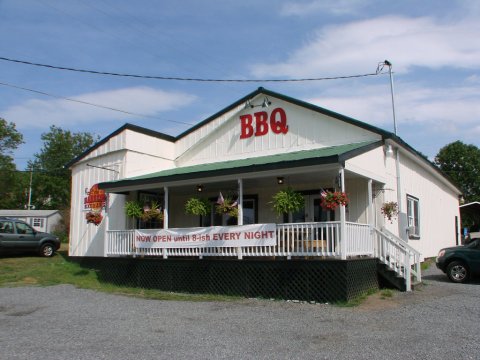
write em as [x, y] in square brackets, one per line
[328, 155]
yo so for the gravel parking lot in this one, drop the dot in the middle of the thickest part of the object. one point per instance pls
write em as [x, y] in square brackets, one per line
[440, 321]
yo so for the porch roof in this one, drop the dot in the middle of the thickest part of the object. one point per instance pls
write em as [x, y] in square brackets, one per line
[328, 155]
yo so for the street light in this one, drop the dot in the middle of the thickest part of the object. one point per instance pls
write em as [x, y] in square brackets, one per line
[379, 69]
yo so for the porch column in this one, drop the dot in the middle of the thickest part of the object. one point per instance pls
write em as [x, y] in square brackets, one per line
[370, 217]
[165, 208]
[240, 213]
[240, 202]
[343, 227]
[107, 227]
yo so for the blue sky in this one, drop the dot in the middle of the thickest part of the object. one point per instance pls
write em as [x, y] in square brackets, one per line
[434, 47]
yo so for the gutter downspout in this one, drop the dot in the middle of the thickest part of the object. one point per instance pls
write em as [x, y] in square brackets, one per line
[402, 216]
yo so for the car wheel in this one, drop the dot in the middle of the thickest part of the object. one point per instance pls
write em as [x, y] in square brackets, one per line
[457, 272]
[47, 250]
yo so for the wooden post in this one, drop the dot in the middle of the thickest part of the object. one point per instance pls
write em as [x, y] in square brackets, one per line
[343, 227]
[240, 214]
[165, 208]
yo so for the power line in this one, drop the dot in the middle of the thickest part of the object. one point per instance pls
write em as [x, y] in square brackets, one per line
[175, 78]
[91, 104]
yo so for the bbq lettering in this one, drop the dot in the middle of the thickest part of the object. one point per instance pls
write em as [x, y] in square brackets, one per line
[259, 123]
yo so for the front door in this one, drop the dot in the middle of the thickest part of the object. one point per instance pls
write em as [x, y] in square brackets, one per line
[314, 212]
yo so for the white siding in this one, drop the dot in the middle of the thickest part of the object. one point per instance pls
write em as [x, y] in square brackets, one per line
[438, 207]
[88, 239]
[220, 140]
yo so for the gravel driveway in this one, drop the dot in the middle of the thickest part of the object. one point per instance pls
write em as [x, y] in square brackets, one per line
[440, 321]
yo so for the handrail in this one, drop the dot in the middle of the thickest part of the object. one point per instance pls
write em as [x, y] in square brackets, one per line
[312, 239]
[398, 256]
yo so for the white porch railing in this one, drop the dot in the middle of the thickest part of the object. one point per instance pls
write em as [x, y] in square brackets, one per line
[398, 256]
[296, 239]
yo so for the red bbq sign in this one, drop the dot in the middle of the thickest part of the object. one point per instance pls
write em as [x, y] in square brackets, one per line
[260, 123]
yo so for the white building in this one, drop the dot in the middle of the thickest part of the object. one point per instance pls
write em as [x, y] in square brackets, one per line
[40, 220]
[244, 150]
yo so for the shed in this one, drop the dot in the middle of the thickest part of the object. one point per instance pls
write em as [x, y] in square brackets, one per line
[40, 220]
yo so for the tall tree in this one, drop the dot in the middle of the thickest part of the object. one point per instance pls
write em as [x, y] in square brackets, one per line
[10, 180]
[461, 163]
[51, 178]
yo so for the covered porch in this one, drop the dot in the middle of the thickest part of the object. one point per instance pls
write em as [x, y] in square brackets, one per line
[311, 234]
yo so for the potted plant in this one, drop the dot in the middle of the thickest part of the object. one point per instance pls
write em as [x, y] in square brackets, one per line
[197, 206]
[227, 207]
[333, 199]
[287, 201]
[94, 217]
[152, 212]
[133, 209]
[147, 212]
[390, 210]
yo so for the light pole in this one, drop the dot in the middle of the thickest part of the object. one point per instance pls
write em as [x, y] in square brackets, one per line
[379, 69]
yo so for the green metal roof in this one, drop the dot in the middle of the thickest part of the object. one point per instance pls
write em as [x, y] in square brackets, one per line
[329, 155]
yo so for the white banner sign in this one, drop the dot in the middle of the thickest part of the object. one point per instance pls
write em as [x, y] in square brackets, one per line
[222, 236]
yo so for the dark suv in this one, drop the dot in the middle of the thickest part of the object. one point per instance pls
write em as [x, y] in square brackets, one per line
[460, 262]
[17, 235]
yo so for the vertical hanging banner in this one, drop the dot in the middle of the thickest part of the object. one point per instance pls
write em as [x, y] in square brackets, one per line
[94, 203]
[213, 236]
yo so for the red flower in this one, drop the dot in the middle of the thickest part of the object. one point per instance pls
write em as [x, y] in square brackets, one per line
[331, 200]
[93, 217]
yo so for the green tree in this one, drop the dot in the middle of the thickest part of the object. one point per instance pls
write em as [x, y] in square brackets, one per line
[461, 163]
[11, 191]
[51, 178]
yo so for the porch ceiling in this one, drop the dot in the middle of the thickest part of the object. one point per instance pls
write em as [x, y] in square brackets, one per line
[317, 164]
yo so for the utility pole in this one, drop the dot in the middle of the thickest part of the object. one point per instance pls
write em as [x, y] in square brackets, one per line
[30, 190]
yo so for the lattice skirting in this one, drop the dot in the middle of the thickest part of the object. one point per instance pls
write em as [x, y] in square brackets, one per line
[306, 280]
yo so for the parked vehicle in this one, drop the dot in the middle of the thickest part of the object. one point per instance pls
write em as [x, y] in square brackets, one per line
[460, 263]
[18, 236]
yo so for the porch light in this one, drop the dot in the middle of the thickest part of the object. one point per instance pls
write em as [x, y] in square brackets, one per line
[266, 103]
[199, 187]
[280, 180]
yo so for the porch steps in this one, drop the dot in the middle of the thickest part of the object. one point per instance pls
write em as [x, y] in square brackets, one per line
[389, 278]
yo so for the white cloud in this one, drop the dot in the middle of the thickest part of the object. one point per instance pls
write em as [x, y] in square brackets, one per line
[338, 7]
[441, 110]
[37, 113]
[357, 47]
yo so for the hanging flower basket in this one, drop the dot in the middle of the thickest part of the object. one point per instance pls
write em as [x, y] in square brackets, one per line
[147, 212]
[333, 199]
[152, 212]
[226, 206]
[287, 201]
[197, 206]
[390, 210]
[94, 217]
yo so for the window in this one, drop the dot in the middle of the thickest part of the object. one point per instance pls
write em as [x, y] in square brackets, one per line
[38, 222]
[23, 228]
[413, 217]
[6, 227]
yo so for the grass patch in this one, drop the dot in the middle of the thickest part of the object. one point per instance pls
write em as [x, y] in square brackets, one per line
[427, 263]
[32, 270]
[386, 293]
[358, 300]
